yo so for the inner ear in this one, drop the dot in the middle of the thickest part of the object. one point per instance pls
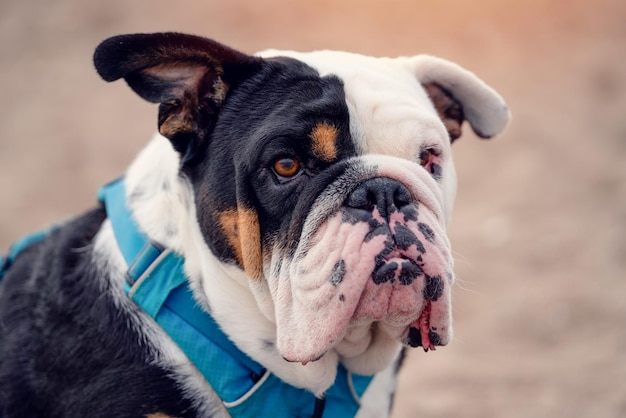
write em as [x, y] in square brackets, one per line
[449, 109]
[452, 85]
[189, 76]
[171, 80]
[189, 96]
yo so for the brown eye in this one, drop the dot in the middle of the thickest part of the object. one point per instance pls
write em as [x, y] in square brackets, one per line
[425, 157]
[286, 167]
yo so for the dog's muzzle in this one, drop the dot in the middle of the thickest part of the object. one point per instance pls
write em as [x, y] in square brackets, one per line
[382, 257]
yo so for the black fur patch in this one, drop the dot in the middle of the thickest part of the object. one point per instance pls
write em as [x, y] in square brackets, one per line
[410, 212]
[404, 238]
[414, 337]
[435, 339]
[376, 229]
[380, 257]
[410, 271]
[65, 347]
[385, 273]
[427, 232]
[436, 171]
[281, 103]
[339, 270]
[433, 288]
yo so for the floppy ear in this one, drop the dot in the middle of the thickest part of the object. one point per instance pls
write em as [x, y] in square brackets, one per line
[188, 75]
[458, 95]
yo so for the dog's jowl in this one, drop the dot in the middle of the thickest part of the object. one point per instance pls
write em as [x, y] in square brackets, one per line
[269, 253]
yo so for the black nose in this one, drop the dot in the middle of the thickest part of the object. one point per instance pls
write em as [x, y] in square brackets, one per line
[381, 192]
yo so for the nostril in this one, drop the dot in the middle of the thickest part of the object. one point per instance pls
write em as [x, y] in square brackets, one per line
[401, 197]
[358, 198]
[385, 194]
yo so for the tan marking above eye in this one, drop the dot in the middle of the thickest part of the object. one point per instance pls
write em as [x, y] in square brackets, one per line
[324, 137]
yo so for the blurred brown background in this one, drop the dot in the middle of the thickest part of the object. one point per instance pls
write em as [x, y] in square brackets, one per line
[539, 225]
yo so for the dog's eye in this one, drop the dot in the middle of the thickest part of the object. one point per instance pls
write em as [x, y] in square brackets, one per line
[430, 159]
[286, 168]
[426, 157]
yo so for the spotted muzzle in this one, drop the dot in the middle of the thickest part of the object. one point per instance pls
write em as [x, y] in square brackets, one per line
[381, 258]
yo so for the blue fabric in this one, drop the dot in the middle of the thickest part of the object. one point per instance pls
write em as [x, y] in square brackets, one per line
[157, 283]
[129, 239]
[19, 246]
[195, 317]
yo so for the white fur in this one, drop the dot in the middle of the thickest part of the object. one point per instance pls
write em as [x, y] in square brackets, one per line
[376, 401]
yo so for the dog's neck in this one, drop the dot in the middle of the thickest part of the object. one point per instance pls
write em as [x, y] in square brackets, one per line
[162, 203]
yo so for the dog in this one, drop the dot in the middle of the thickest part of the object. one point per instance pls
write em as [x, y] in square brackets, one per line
[270, 252]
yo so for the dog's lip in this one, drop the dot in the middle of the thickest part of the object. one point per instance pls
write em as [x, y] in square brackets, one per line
[305, 362]
[425, 338]
[395, 253]
[394, 262]
[397, 256]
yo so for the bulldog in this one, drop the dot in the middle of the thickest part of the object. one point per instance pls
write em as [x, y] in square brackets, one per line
[303, 199]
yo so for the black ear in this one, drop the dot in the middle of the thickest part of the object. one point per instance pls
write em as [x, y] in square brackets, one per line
[188, 75]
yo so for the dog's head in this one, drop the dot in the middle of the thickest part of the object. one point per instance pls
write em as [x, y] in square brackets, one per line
[327, 177]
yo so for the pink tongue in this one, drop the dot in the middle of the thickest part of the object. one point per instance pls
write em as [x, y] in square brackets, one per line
[423, 324]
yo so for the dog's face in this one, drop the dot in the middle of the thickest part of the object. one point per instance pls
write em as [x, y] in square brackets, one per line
[327, 177]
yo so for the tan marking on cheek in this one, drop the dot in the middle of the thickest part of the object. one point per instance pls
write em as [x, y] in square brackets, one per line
[324, 138]
[242, 231]
[250, 234]
[230, 228]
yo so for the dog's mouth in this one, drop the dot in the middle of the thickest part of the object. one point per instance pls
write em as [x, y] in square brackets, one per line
[392, 275]
[420, 333]
[397, 267]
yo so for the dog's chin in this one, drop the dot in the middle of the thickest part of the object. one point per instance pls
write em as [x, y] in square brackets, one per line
[370, 347]
[380, 352]
[364, 349]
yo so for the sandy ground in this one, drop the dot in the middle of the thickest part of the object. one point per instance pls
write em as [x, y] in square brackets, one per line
[539, 227]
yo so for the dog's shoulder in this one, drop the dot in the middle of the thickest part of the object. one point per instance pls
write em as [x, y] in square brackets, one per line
[44, 269]
[66, 347]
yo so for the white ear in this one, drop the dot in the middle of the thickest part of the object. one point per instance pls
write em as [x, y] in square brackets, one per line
[482, 106]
